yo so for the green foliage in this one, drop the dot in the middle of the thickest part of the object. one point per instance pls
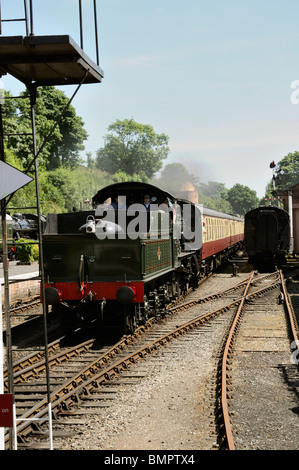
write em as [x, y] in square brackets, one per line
[64, 189]
[67, 139]
[35, 252]
[242, 199]
[214, 190]
[221, 205]
[61, 190]
[132, 148]
[27, 250]
[214, 195]
[122, 176]
[289, 174]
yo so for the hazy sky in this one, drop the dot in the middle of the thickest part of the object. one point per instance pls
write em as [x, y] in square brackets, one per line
[213, 75]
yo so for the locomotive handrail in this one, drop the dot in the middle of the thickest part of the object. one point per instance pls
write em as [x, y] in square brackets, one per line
[80, 273]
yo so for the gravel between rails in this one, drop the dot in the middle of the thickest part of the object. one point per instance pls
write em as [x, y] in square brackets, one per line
[172, 406]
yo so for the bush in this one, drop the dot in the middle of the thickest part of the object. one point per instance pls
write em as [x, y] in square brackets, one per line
[27, 250]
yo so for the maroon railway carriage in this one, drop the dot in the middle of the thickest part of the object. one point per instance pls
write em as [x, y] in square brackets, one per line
[222, 235]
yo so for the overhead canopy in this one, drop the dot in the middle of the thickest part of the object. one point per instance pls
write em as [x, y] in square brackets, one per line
[46, 60]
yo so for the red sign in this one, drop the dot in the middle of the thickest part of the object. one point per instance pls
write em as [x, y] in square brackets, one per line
[6, 410]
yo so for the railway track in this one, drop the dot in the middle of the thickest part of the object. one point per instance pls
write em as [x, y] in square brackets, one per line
[72, 390]
[255, 400]
[23, 310]
[32, 366]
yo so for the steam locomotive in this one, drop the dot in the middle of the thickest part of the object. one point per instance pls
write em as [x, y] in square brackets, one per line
[120, 263]
[19, 226]
[9, 236]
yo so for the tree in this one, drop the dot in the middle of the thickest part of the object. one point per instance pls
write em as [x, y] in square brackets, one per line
[214, 190]
[65, 143]
[288, 175]
[242, 199]
[131, 148]
[122, 176]
[90, 161]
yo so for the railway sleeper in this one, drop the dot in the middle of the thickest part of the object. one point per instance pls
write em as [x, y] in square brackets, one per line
[75, 398]
[23, 439]
[37, 430]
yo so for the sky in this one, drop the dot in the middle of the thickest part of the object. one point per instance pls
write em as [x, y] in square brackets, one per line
[213, 75]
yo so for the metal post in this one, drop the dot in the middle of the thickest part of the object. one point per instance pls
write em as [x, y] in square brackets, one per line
[290, 205]
[2, 442]
[0, 19]
[31, 18]
[9, 361]
[6, 310]
[56, 123]
[41, 265]
[96, 29]
[80, 21]
[26, 17]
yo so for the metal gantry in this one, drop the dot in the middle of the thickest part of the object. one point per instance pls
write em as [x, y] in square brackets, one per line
[39, 61]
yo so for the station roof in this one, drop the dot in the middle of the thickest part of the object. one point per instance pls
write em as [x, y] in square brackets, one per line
[294, 191]
[46, 60]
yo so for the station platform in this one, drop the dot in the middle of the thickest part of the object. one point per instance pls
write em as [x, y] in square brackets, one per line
[24, 281]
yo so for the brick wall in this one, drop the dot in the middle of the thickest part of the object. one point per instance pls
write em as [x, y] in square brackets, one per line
[21, 290]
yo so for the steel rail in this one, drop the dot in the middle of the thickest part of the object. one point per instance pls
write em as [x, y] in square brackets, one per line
[31, 359]
[93, 375]
[289, 310]
[33, 364]
[24, 306]
[228, 348]
[210, 297]
[38, 410]
[36, 368]
[28, 361]
[224, 379]
[224, 371]
[69, 393]
[77, 385]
